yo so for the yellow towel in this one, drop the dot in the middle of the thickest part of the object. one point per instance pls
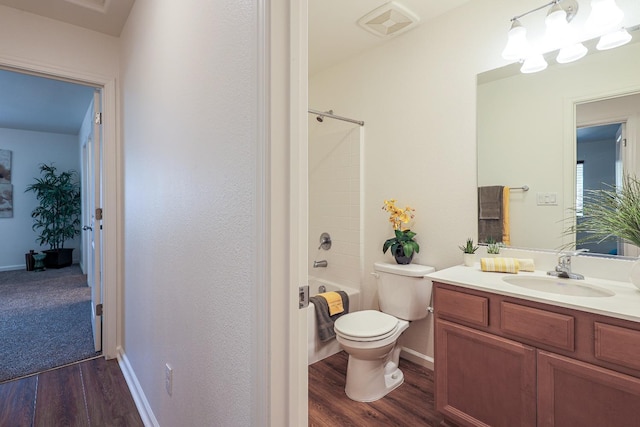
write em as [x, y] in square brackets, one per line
[506, 232]
[526, 264]
[334, 300]
[501, 265]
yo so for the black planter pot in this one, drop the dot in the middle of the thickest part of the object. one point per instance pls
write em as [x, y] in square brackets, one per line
[58, 258]
[401, 258]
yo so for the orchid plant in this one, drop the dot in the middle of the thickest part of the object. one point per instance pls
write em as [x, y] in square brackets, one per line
[402, 243]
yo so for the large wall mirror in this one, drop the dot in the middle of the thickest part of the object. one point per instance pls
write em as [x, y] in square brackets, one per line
[535, 130]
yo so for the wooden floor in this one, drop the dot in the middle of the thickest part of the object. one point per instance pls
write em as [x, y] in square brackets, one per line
[89, 393]
[411, 404]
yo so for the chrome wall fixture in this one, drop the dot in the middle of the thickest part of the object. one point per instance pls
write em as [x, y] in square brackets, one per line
[604, 21]
[329, 114]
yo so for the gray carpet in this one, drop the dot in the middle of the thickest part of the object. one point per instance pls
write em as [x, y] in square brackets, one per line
[44, 320]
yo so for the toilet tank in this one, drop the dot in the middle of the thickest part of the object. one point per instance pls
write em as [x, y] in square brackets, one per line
[403, 291]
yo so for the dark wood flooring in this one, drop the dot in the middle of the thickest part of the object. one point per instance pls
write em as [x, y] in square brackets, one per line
[88, 393]
[411, 404]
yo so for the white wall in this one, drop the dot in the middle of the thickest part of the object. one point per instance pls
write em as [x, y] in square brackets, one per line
[189, 102]
[29, 150]
[334, 200]
[417, 95]
[28, 37]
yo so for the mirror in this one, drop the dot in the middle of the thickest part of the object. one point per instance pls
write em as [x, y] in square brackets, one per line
[526, 135]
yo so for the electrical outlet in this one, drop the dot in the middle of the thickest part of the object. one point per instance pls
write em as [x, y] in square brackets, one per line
[168, 378]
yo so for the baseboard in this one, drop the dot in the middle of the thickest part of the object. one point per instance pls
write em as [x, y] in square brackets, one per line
[13, 267]
[139, 398]
[418, 358]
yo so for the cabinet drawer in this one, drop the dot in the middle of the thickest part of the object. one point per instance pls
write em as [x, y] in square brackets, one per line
[618, 345]
[542, 326]
[457, 305]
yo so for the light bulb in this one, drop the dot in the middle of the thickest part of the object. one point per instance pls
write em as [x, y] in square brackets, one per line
[571, 53]
[613, 39]
[533, 64]
[605, 14]
[517, 45]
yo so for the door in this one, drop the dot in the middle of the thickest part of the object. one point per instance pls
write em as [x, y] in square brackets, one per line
[574, 393]
[482, 379]
[94, 258]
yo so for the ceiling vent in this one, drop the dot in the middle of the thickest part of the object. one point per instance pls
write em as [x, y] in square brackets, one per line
[389, 20]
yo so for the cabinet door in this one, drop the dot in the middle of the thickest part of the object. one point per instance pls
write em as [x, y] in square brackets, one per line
[574, 393]
[482, 379]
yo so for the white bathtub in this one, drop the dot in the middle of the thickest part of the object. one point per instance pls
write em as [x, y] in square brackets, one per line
[318, 350]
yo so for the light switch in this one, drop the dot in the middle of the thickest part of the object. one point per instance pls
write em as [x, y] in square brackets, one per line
[547, 199]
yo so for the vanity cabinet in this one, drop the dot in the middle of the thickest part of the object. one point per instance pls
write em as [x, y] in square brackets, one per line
[502, 361]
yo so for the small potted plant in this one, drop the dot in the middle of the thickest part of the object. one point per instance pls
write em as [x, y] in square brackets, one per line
[402, 245]
[469, 252]
[493, 249]
[58, 214]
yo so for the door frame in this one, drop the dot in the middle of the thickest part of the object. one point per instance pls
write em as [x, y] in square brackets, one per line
[111, 184]
[285, 108]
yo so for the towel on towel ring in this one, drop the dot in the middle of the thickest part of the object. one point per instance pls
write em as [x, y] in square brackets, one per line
[324, 320]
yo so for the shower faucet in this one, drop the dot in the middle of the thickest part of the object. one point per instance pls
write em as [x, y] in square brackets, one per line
[322, 263]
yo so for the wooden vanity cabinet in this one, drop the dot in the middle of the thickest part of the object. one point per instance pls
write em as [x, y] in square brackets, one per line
[505, 362]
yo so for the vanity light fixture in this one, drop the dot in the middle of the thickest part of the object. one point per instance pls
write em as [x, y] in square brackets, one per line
[533, 64]
[605, 15]
[517, 44]
[604, 20]
[614, 39]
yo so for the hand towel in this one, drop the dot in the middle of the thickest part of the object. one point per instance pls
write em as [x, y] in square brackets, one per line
[501, 265]
[490, 213]
[490, 202]
[506, 228]
[526, 264]
[324, 321]
[334, 301]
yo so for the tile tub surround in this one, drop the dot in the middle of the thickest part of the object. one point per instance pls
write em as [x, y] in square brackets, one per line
[625, 304]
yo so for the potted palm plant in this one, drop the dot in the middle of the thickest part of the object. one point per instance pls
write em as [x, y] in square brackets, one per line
[57, 217]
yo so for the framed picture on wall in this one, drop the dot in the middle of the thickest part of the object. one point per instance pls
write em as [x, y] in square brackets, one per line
[6, 201]
[5, 167]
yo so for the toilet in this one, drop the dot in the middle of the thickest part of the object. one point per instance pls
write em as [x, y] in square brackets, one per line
[370, 337]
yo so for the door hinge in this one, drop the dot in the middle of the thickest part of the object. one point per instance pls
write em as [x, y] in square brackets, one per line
[98, 213]
[303, 294]
[98, 118]
[99, 310]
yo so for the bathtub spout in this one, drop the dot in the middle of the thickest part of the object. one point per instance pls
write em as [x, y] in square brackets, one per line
[322, 263]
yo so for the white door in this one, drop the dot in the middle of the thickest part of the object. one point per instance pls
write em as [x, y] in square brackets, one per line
[94, 258]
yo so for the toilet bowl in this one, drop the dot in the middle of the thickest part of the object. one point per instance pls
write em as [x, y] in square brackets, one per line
[371, 337]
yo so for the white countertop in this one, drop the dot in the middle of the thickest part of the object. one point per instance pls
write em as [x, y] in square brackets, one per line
[625, 304]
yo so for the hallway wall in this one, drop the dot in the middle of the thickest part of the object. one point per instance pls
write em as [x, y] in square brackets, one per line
[189, 136]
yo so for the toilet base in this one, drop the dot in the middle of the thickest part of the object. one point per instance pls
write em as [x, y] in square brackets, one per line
[370, 380]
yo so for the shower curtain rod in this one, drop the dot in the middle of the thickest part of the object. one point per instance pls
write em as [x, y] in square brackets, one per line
[333, 116]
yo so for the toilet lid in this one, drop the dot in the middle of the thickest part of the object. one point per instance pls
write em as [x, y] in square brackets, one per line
[366, 325]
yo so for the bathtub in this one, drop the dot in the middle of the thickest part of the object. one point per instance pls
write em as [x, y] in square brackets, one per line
[318, 350]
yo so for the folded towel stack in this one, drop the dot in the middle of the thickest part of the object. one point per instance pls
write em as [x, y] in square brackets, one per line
[501, 265]
[526, 264]
[334, 301]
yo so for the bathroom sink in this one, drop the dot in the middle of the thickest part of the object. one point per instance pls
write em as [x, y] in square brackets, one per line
[555, 285]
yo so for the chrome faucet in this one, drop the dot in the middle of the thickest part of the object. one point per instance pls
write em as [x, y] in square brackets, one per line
[563, 269]
[322, 263]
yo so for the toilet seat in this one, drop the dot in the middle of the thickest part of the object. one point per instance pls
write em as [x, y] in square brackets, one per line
[366, 325]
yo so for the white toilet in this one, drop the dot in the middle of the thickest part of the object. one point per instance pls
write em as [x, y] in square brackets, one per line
[370, 337]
